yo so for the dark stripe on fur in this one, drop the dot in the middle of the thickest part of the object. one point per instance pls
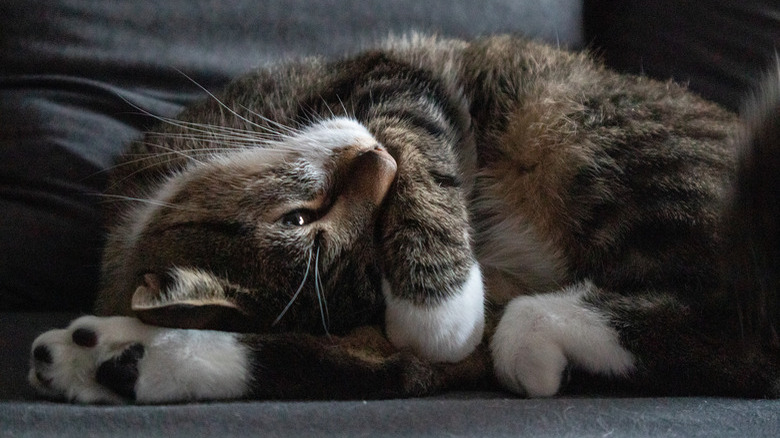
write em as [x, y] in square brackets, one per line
[214, 227]
[417, 119]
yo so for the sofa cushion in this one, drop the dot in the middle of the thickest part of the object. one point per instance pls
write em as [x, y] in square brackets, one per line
[78, 77]
[721, 48]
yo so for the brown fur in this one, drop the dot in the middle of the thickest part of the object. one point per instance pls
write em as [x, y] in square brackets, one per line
[539, 164]
[361, 364]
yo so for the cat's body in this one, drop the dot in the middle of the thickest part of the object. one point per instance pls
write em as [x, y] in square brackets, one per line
[409, 185]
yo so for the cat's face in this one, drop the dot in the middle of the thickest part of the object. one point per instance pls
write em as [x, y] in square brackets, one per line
[276, 238]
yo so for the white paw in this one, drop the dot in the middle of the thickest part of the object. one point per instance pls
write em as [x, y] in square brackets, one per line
[538, 336]
[119, 359]
[447, 332]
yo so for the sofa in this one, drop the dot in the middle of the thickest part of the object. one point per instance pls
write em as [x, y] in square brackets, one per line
[64, 65]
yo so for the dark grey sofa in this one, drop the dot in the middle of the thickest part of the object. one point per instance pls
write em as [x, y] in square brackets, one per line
[63, 64]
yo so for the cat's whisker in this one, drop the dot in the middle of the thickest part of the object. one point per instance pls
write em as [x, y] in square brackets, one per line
[142, 169]
[264, 130]
[344, 108]
[219, 138]
[321, 294]
[131, 175]
[154, 202]
[213, 131]
[192, 155]
[243, 141]
[216, 130]
[174, 152]
[195, 156]
[167, 120]
[222, 104]
[220, 145]
[327, 107]
[144, 157]
[141, 159]
[195, 152]
[267, 137]
[297, 292]
[284, 129]
[142, 111]
[198, 127]
[311, 117]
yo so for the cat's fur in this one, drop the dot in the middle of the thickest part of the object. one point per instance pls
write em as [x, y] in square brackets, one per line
[499, 189]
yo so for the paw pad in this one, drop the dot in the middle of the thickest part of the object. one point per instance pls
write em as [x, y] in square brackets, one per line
[84, 337]
[121, 373]
[42, 354]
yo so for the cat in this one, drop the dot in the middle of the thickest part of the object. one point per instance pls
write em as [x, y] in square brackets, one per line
[497, 199]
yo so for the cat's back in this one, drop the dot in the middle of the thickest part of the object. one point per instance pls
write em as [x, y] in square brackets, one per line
[586, 173]
[574, 171]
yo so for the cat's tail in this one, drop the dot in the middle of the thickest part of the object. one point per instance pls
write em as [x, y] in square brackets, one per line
[752, 253]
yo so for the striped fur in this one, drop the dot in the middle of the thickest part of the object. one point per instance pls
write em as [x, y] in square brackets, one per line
[499, 189]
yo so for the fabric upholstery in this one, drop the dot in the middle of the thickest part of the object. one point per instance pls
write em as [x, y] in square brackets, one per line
[720, 48]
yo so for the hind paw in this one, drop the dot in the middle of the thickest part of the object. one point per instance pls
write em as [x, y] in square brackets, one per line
[120, 359]
[94, 360]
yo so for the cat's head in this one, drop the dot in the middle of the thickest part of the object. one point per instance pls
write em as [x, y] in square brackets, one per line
[267, 238]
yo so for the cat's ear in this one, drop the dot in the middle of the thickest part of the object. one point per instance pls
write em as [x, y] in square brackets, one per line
[192, 299]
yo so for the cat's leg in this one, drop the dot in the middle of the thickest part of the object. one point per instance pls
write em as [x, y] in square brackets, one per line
[432, 282]
[650, 343]
[120, 359]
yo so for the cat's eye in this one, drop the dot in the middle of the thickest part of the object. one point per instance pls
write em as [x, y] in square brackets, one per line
[299, 218]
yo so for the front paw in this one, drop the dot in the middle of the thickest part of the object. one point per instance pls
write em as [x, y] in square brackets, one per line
[539, 336]
[527, 358]
[443, 332]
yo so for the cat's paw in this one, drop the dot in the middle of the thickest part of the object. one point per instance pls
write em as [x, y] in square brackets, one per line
[527, 358]
[539, 336]
[120, 359]
[446, 332]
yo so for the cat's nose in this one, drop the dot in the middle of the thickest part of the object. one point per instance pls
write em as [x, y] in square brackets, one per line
[366, 174]
[371, 174]
[388, 162]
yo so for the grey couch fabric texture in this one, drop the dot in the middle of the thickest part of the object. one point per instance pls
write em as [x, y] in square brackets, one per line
[79, 78]
[477, 416]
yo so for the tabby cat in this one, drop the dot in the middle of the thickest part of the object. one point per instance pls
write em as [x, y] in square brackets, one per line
[594, 229]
